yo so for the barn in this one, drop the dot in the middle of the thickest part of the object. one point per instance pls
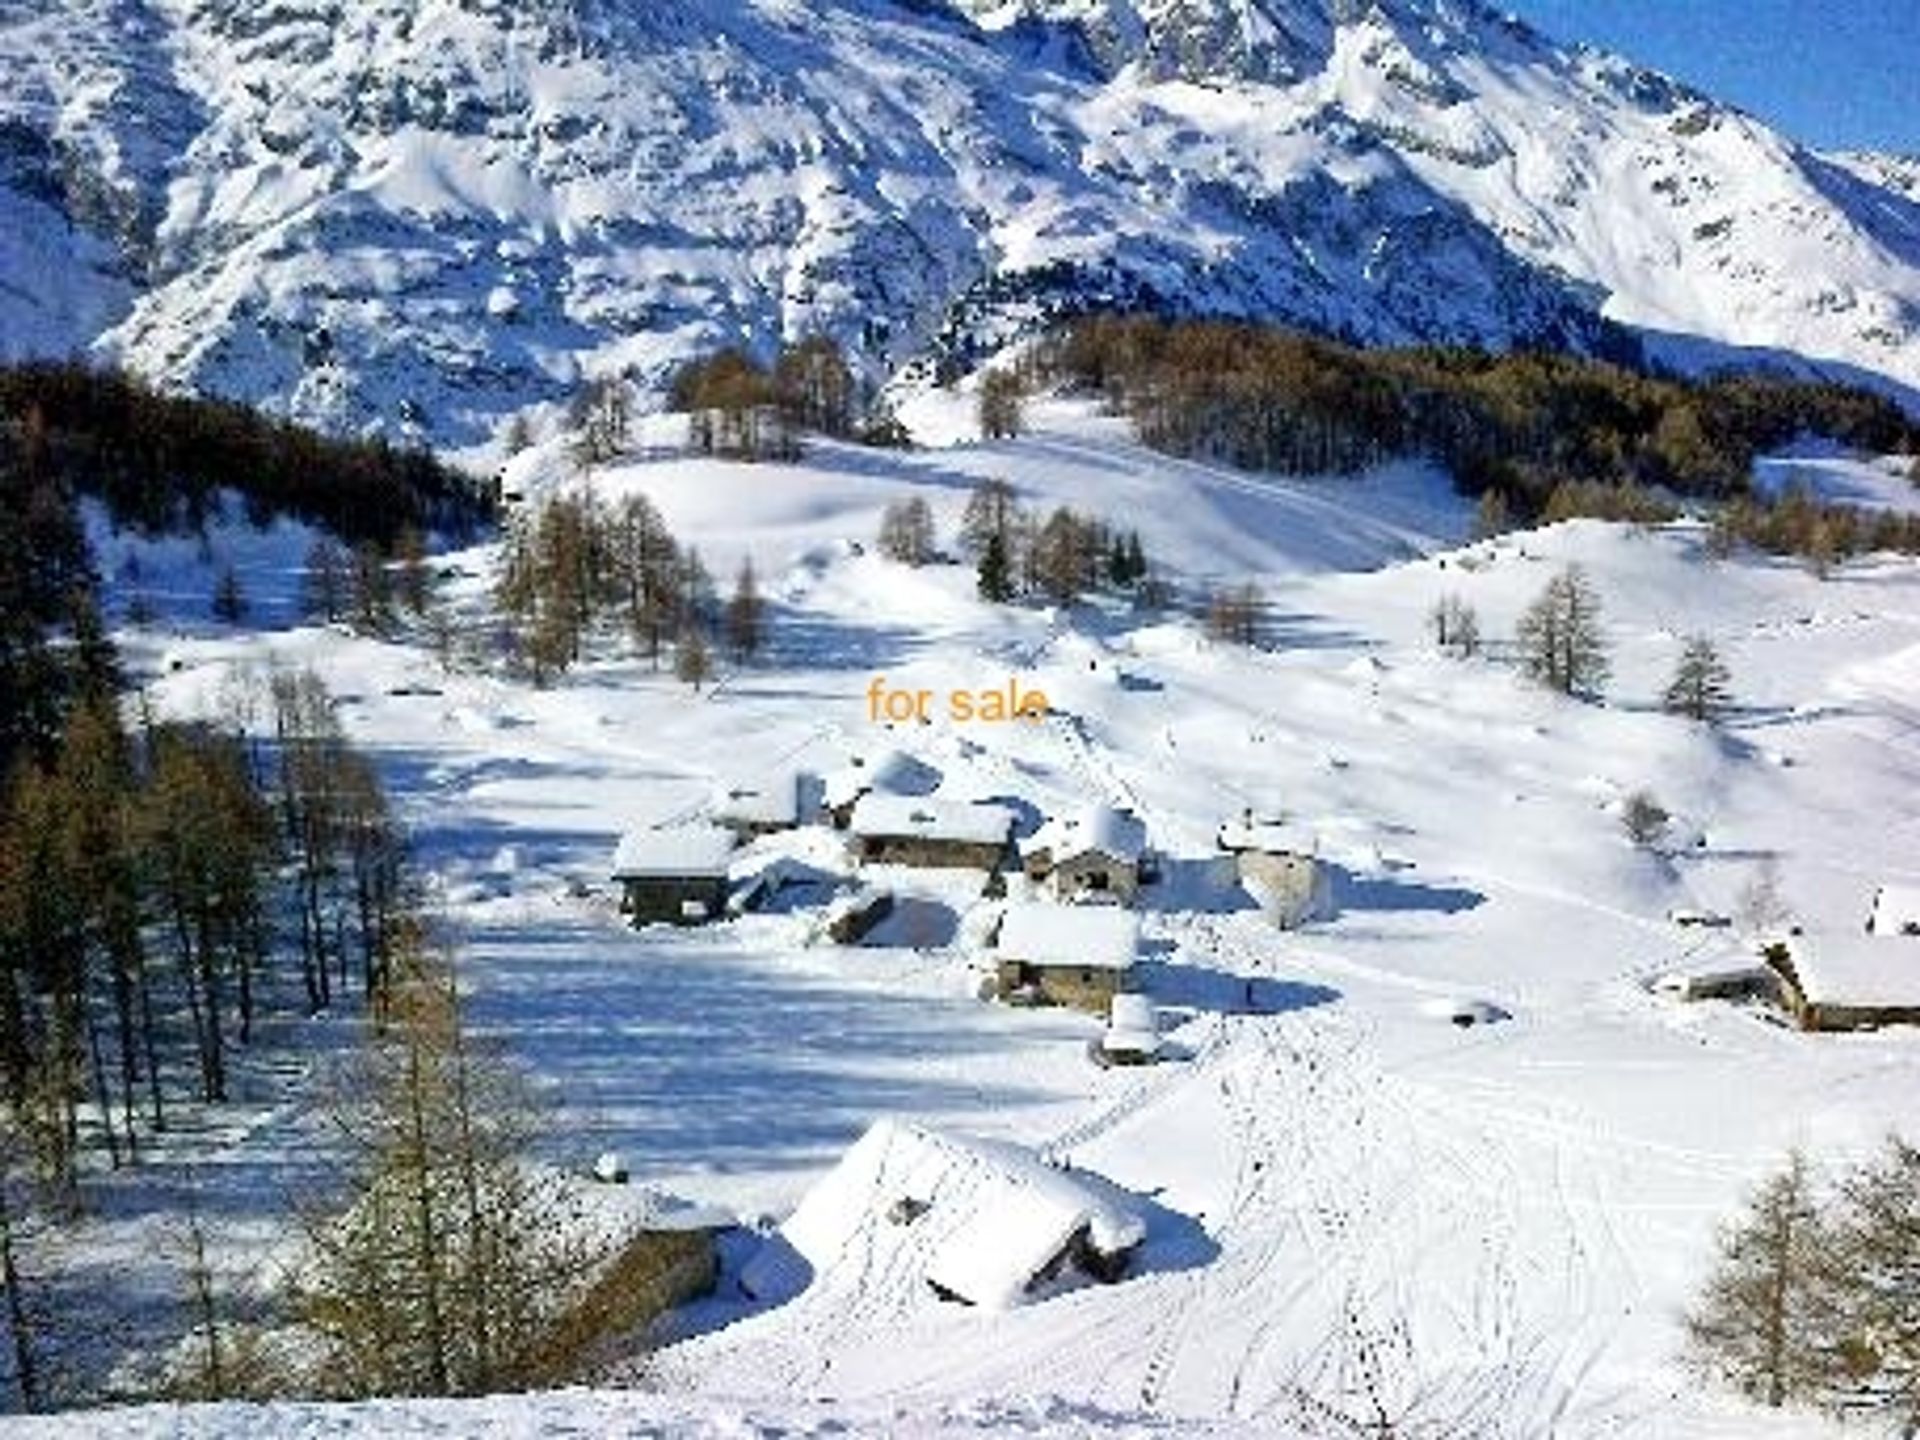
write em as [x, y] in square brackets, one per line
[678, 874]
[1094, 855]
[1077, 955]
[978, 1222]
[934, 834]
[1837, 981]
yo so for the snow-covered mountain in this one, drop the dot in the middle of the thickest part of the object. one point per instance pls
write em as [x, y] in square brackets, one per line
[424, 214]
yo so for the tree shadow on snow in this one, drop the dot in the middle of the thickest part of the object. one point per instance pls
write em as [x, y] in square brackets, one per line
[1201, 884]
[1197, 989]
[798, 639]
[686, 1051]
[1353, 892]
[915, 923]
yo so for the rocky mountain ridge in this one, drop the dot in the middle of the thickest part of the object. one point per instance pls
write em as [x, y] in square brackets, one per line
[418, 216]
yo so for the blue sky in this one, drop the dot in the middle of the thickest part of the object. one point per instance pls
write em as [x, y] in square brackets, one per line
[1839, 74]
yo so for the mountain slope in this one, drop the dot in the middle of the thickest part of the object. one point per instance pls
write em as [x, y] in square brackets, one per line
[419, 217]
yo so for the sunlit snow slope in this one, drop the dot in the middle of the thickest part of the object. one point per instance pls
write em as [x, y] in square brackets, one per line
[422, 216]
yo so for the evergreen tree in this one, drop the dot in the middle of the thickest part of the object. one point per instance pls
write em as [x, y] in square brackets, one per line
[1061, 555]
[1233, 615]
[416, 577]
[1002, 405]
[1492, 517]
[372, 590]
[601, 417]
[995, 578]
[746, 615]
[992, 510]
[449, 1263]
[906, 531]
[1702, 686]
[692, 660]
[813, 387]
[1455, 627]
[328, 577]
[1762, 1320]
[229, 600]
[1560, 639]
[1877, 1253]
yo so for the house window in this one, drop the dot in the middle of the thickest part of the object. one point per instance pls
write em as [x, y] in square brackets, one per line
[1097, 880]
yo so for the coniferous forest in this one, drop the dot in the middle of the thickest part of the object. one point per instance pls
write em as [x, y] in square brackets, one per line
[1549, 435]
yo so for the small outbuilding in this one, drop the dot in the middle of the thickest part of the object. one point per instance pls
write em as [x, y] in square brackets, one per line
[1094, 855]
[1279, 866]
[979, 1222]
[936, 834]
[1133, 1032]
[666, 1254]
[768, 805]
[1733, 978]
[1077, 955]
[1896, 911]
[888, 772]
[1836, 981]
[678, 874]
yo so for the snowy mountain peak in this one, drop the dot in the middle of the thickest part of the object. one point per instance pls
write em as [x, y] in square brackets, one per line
[420, 217]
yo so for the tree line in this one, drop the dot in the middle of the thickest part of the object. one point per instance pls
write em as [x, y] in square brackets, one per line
[574, 567]
[161, 462]
[1020, 554]
[1520, 425]
[144, 877]
[742, 409]
[166, 889]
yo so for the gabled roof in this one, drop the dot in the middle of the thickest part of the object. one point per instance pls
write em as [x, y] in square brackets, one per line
[1857, 971]
[680, 852]
[1084, 937]
[978, 1219]
[887, 772]
[899, 817]
[770, 800]
[1896, 910]
[1099, 829]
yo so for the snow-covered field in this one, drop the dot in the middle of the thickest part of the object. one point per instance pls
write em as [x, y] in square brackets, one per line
[1500, 1225]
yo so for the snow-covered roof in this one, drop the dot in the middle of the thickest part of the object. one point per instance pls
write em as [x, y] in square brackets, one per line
[1099, 829]
[1863, 971]
[1269, 837]
[1896, 910]
[1087, 937]
[1132, 1024]
[678, 852]
[977, 1218]
[771, 800]
[889, 772]
[904, 816]
[642, 1207]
